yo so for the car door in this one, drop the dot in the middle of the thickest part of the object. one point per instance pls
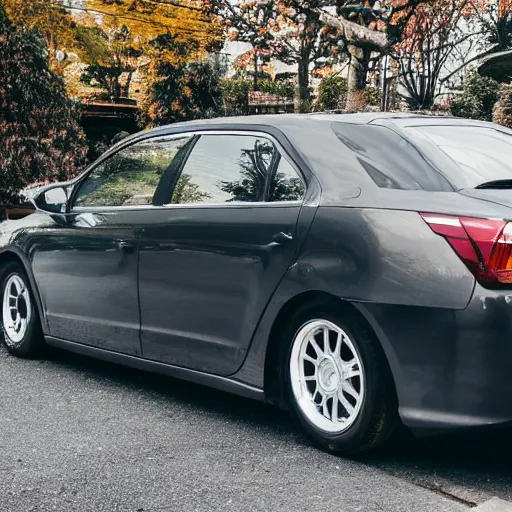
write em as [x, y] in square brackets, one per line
[86, 266]
[211, 258]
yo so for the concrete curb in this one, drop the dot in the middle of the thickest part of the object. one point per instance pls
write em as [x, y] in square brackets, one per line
[494, 505]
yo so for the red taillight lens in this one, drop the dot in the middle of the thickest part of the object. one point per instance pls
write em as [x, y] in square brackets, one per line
[484, 245]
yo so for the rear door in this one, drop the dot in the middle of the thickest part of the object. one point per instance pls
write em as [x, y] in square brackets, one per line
[211, 258]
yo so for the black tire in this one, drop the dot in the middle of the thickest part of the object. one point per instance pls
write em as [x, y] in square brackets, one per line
[378, 415]
[32, 344]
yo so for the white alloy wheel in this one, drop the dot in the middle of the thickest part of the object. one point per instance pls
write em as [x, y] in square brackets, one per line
[327, 376]
[16, 310]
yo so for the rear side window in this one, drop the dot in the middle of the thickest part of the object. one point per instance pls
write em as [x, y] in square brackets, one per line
[224, 168]
[389, 159]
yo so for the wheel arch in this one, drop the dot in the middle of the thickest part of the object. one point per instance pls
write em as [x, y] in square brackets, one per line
[272, 372]
[13, 255]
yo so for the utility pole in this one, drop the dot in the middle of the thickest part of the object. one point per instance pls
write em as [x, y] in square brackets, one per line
[255, 86]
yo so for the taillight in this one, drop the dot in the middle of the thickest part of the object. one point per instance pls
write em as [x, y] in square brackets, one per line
[484, 245]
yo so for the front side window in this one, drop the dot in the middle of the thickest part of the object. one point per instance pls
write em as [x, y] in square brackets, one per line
[226, 168]
[131, 176]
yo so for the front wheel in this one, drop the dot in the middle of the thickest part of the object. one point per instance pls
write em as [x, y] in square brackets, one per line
[23, 336]
[337, 380]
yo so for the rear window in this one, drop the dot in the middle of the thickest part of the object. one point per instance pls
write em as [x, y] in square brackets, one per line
[483, 154]
[389, 159]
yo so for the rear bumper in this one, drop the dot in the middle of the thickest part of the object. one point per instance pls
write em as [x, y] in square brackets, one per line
[452, 369]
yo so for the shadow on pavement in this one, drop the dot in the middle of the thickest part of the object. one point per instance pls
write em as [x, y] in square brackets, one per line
[472, 466]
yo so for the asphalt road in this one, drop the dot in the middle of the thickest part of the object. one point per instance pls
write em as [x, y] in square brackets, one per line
[82, 435]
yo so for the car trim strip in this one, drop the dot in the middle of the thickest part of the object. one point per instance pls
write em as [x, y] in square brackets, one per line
[139, 363]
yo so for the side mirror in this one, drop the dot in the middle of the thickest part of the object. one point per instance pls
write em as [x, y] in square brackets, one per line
[51, 199]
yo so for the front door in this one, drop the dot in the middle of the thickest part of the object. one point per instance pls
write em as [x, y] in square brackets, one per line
[211, 258]
[86, 265]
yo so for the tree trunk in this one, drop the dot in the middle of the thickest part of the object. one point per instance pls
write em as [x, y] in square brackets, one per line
[354, 33]
[358, 69]
[303, 96]
[128, 84]
[255, 84]
[304, 80]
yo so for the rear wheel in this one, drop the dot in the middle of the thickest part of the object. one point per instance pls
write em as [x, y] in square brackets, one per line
[22, 331]
[337, 380]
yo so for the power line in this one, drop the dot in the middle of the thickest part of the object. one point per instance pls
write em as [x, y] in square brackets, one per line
[175, 4]
[129, 18]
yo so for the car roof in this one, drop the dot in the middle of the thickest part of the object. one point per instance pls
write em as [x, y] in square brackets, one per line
[281, 120]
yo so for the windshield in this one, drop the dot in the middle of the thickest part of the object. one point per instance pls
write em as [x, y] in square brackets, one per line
[482, 153]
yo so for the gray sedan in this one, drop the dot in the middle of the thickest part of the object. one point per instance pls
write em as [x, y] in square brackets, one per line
[356, 269]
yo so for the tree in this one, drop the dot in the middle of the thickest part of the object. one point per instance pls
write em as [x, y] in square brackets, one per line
[146, 20]
[278, 29]
[495, 18]
[491, 20]
[431, 35]
[478, 98]
[180, 87]
[367, 29]
[50, 19]
[41, 137]
[119, 55]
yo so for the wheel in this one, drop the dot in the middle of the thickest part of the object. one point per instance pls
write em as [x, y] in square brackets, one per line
[23, 335]
[337, 380]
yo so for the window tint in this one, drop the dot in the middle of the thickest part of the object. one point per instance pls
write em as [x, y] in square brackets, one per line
[131, 176]
[286, 184]
[389, 159]
[483, 154]
[226, 168]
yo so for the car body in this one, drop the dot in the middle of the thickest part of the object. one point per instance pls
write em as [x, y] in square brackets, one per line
[202, 290]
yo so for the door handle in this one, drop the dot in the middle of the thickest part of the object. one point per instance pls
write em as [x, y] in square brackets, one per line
[126, 247]
[282, 238]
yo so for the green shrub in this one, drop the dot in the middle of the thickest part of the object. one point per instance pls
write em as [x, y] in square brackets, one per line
[477, 99]
[285, 89]
[373, 95]
[332, 93]
[235, 95]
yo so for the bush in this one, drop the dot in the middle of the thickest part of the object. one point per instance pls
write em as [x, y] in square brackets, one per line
[477, 99]
[235, 95]
[285, 89]
[41, 139]
[332, 93]
[503, 107]
[373, 95]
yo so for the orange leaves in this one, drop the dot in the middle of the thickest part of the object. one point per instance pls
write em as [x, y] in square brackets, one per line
[434, 21]
[505, 7]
